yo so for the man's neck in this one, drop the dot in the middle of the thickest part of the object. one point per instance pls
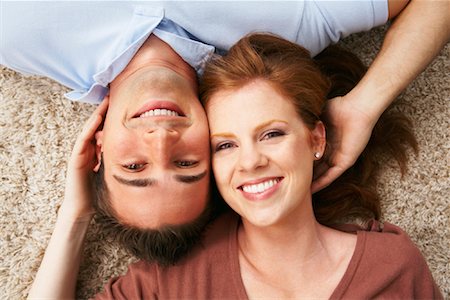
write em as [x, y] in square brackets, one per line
[157, 52]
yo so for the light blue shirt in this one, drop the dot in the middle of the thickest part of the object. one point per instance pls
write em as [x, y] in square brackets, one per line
[85, 45]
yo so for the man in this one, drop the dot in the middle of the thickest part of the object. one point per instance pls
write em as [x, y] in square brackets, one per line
[154, 144]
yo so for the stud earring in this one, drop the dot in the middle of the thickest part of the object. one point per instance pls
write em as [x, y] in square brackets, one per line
[317, 155]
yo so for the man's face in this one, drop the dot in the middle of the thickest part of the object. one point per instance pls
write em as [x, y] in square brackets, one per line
[155, 144]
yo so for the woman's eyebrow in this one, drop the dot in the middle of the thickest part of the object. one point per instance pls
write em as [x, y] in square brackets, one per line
[222, 135]
[257, 128]
[268, 123]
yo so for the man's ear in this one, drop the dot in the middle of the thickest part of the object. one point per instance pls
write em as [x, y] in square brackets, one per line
[98, 149]
[318, 139]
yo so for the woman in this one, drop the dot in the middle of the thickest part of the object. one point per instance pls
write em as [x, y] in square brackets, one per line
[264, 100]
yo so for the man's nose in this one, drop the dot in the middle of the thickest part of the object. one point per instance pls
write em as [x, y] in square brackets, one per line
[160, 141]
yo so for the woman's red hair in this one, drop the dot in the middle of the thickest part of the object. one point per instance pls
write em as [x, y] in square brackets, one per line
[309, 82]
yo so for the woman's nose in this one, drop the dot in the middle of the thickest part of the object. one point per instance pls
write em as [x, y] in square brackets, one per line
[250, 158]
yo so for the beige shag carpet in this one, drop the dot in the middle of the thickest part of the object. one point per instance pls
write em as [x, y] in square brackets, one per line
[38, 127]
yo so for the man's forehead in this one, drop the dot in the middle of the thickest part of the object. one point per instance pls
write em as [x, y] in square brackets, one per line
[173, 203]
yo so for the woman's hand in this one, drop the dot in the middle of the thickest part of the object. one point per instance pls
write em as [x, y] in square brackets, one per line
[77, 203]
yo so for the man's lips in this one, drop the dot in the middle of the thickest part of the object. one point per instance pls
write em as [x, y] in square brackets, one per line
[159, 108]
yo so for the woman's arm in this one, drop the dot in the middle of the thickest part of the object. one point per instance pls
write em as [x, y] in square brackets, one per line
[417, 35]
[57, 274]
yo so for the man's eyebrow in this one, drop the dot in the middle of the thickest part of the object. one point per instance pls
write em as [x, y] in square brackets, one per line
[144, 182]
[135, 182]
[190, 178]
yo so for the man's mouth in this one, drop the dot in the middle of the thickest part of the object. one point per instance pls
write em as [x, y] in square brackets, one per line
[156, 108]
[159, 112]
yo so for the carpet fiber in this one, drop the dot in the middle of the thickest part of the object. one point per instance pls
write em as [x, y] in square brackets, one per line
[38, 127]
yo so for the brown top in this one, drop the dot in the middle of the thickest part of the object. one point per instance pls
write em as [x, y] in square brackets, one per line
[385, 264]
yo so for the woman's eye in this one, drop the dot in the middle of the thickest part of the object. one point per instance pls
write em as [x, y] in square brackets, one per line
[272, 134]
[223, 146]
[134, 167]
[186, 163]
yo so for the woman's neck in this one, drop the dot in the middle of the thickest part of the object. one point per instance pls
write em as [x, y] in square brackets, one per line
[299, 239]
[297, 258]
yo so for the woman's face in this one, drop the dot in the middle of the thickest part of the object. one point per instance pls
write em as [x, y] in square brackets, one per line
[263, 153]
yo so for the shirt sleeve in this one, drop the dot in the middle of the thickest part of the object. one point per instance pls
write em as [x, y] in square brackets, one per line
[388, 265]
[414, 275]
[329, 21]
[312, 24]
[138, 283]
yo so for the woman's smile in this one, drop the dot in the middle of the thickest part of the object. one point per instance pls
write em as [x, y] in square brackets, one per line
[260, 189]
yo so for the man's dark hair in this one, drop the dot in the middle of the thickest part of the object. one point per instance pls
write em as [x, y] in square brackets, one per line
[165, 245]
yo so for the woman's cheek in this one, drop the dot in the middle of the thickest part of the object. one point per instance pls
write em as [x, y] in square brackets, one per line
[222, 168]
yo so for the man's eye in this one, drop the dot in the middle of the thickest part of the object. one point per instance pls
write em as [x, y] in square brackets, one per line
[272, 134]
[186, 163]
[134, 167]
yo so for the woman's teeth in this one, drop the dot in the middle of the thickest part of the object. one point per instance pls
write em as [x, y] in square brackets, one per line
[260, 187]
[159, 112]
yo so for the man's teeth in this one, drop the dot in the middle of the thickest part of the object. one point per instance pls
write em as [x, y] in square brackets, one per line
[260, 187]
[159, 112]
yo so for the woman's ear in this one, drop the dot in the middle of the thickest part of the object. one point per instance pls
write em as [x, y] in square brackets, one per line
[98, 149]
[318, 139]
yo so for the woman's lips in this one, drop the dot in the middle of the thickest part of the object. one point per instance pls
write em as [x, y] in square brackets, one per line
[260, 189]
[159, 108]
